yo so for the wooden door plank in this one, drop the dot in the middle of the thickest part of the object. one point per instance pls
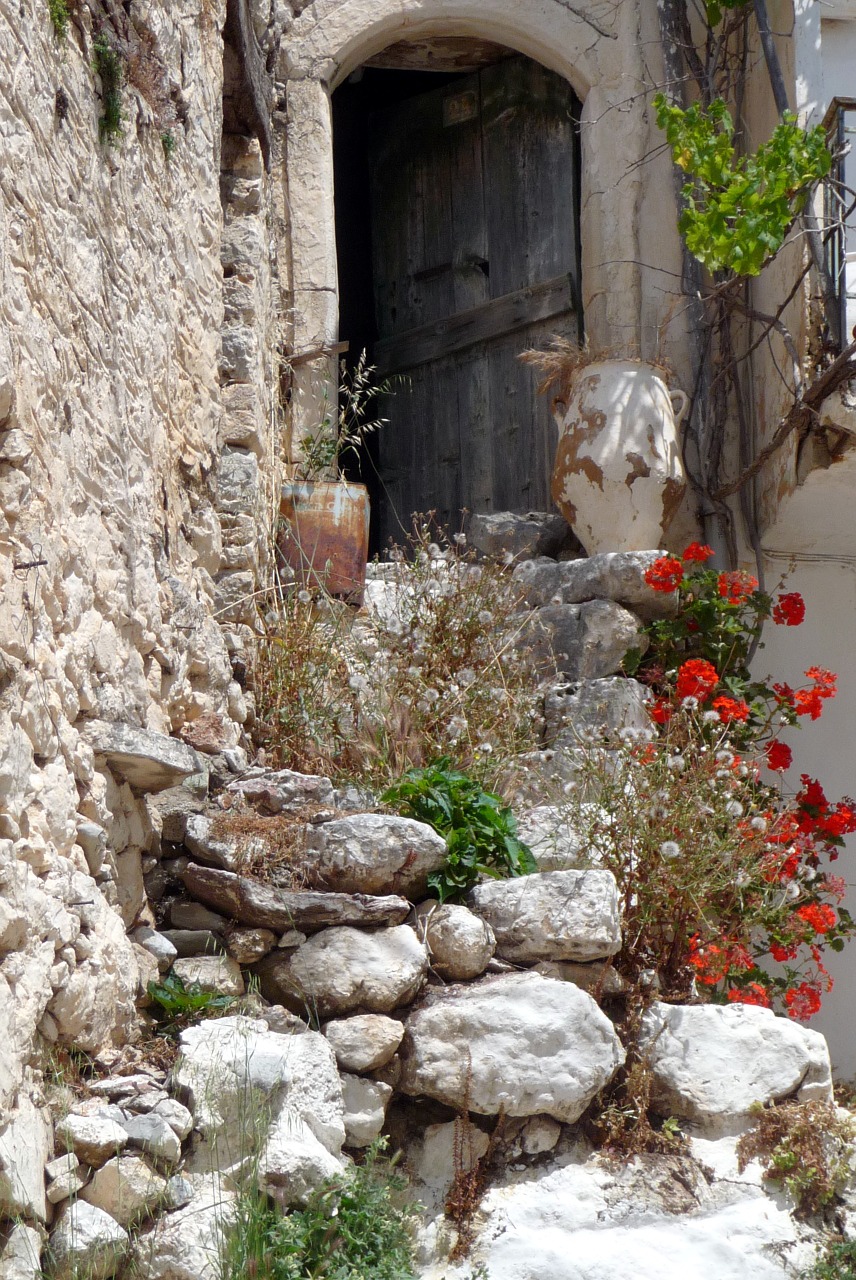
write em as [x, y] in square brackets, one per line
[513, 311]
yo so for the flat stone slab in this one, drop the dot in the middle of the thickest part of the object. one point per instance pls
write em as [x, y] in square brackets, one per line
[610, 575]
[147, 761]
[373, 853]
[518, 1045]
[250, 902]
[552, 915]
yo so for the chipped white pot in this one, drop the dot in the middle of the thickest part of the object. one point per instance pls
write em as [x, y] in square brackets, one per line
[618, 478]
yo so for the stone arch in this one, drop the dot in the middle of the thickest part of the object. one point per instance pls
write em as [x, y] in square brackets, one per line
[596, 45]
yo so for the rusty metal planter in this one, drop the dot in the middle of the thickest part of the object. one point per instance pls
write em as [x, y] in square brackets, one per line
[324, 535]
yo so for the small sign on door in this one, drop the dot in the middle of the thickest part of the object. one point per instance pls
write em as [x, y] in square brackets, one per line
[460, 107]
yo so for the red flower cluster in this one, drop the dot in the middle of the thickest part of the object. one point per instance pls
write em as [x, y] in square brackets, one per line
[736, 586]
[731, 709]
[709, 961]
[661, 711]
[817, 817]
[802, 1001]
[698, 551]
[665, 574]
[752, 993]
[697, 678]
[819, 915]
[809, 702]
[789, 610]
[779, 756]
[780, 953]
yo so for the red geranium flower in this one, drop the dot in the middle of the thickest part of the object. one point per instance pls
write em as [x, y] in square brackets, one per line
[780, 953]
[697, 678]
[736, 586]
[731, 709]
[665, 574]
[819, 915]
[785, 694]
[739, 958]
[779, 756]
[802, 1001]
[709, 961]
[789, 610]
[840, 821]
[698, 551]
[661, 711]
[752, 993]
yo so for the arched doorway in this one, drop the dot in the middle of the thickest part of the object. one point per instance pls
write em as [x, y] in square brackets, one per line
[457, 229]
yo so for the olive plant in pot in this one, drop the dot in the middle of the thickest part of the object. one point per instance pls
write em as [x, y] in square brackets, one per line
[323, 530]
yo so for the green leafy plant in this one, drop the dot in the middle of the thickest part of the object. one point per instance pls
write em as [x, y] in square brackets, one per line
[341, 434]
[108, 64]
[837, 1263]
[355, 1227]
[804, 1146]
[480, 831]
[169, 144]
[714, 8]
[179, 1003]
[59, 13]
[738, 208]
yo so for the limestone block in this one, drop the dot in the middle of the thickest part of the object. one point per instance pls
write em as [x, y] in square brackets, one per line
[93, 1139]
[126, 1188]
[152, 1134]
[460, 943]
[247, 946]
[234, 599]
[345, 969]
[609, 575]
[234, 1071]
[602, 707]
[712, 1063]
[282, 790]
[517, 1044]
[240, 359]
[208, 733]
[293, 1163]
[547, 831]
[373, 853]
[264, 906]
[20, 1255]
[220, 974]
[177, 1116]
[506, 536]
[365, 1109]
[187, 1244]
[192, 915]
[87, 1241]
[195, 942]
[147, 761]
[432, 1157]
[238, 482]
[25, 1138]
[585, 641]
[174, 806]
[157, 945]
[552, 915]
[364, 1042]
[220, 851]
[67, 1185]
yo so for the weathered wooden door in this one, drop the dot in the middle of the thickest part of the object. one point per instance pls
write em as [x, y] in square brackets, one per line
[475, 258]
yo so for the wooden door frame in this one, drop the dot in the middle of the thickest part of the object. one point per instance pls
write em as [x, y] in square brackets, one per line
[597, 48]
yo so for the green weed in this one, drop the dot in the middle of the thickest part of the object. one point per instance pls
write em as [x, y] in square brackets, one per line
[178, 1003]
[169, 144]
[804, 1146]
[481, 832]
[109, 66]
[59, 12]
[837, 1263]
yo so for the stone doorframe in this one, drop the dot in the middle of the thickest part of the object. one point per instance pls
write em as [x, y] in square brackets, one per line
[597, 45]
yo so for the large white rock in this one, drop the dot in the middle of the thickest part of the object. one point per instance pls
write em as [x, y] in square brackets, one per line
[343, 969]
[86, 1241]
[238, 1078]
[220, 974]
[293, 1163]
[188, 1244]
[549, 833]
[432, 1158]
[373, 853]
[93, 1139]
[552, 915]
[521, 1045]
[126, 1188]
[20, 1255]
[364, 1042]
[147, 761]
[609, 575]
[25, 1135]
[461, 944]
[366, 1102]
[712, 1063]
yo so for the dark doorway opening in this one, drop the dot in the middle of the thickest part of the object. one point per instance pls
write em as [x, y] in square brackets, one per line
[458, 247]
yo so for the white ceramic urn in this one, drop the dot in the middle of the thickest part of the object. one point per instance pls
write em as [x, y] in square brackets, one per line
[618, 478]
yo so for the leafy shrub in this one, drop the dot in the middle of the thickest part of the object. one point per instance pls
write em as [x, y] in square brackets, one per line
[59, 14]
[179, 1004]
[805, 1146]
[355, 1227]
[738, 208]
[837, 1263]
[110, 69]
[481, 832]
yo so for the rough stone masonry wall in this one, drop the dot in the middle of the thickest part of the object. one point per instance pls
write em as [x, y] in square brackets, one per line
[112, 553]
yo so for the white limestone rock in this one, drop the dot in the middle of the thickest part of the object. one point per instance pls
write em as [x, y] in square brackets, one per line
[282, 790]
[177, 1116]
[152, 1134]
[157, 945]
[187, 1244]
[551, 915]
[609, 575]
[712, 1063]
[373, 853]
[364, 1042]
[232, 1072]
[431, 1158]
[20, 1254]
[365, 1102]
[343, 969]
[25, 1134]
[517, 1044]
[220, 974]
[126, 1188]
[548, 832]
[93, 1139]
[86, 1241]
[583, 641]
[602, 707]
[147, 761]
[293, 1163]
[460, 943]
